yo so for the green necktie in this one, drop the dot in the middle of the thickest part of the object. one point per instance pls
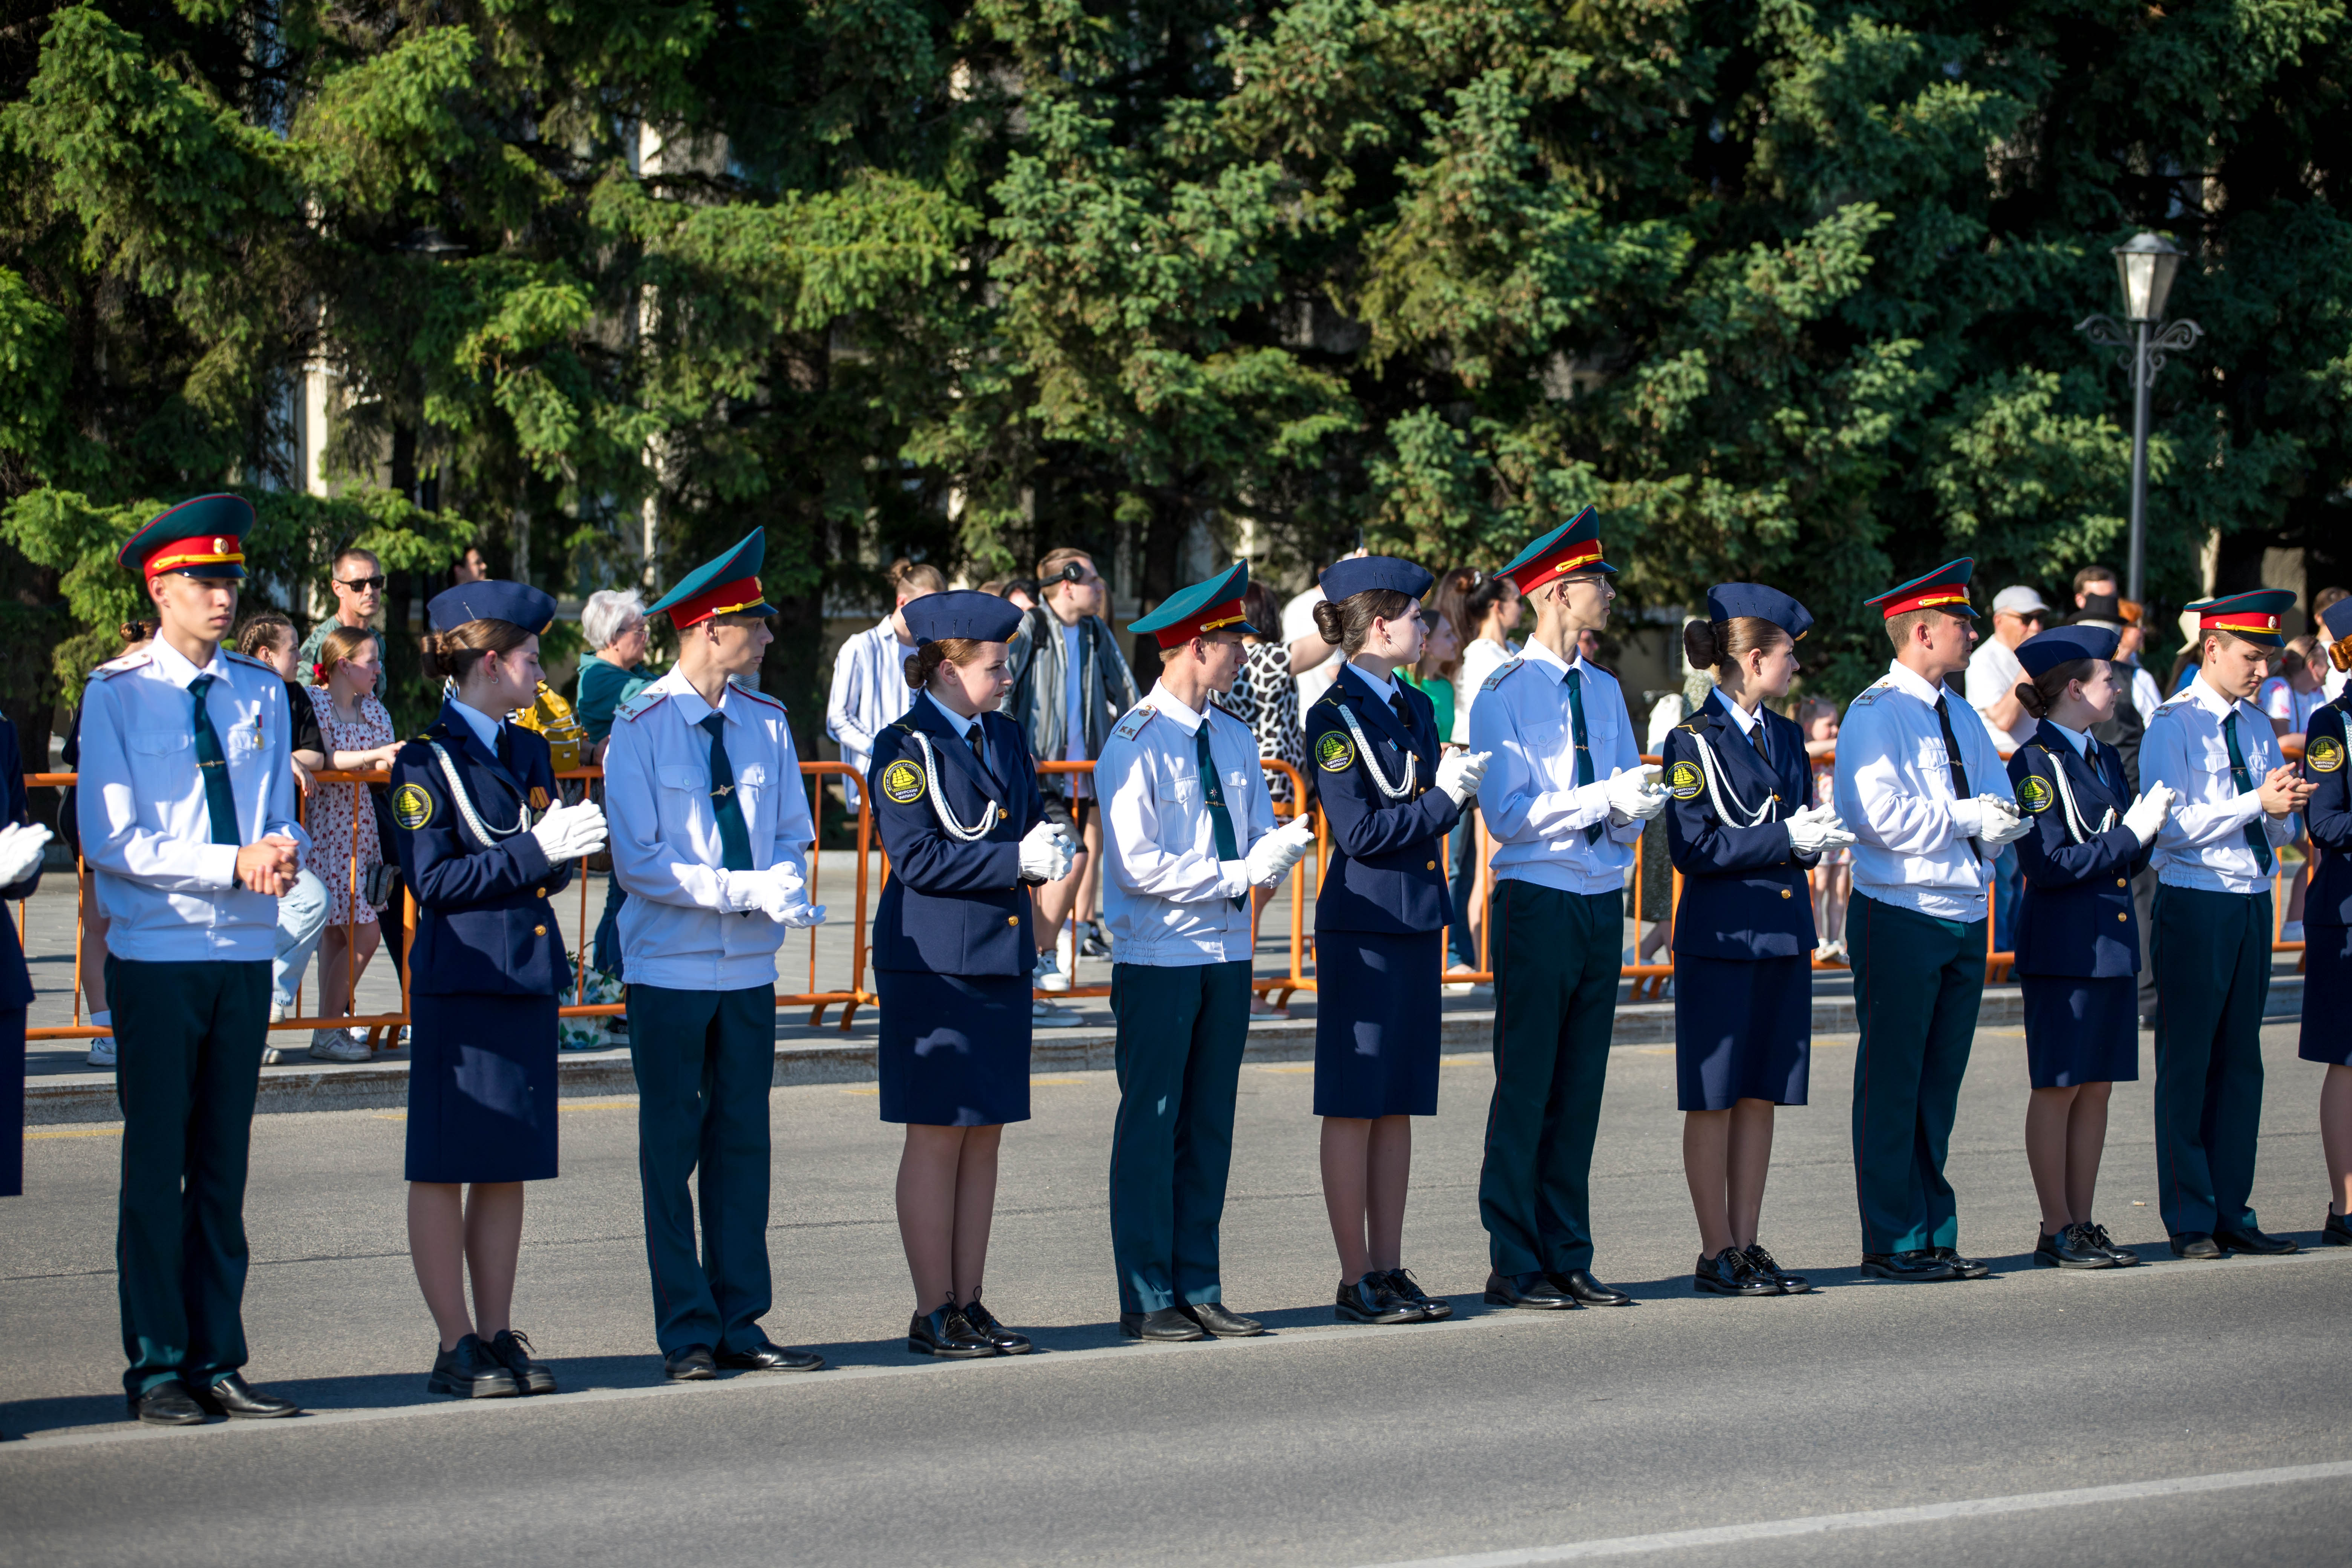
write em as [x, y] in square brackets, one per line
[1220, 821]
[1583, 751]
[2244, 784]
[734, 839]
[220, 801]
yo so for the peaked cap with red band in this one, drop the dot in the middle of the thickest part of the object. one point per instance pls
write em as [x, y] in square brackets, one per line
[2257, 615]
[1215, 606]
[1569, 551]
[727, 586]
[1945, 588]
[203, 538]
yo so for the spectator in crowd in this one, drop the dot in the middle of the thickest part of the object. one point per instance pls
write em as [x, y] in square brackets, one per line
[1266, 698]
[1994, 676]
[1434, 675]
[1489, 611]
[1313, 662]
[357, 582]
[344, 844]
[1070, 684]
[2331, 680]
[302, 907]
[2093, 583]
[869, 673]
[135, 635]
[469, 567]
[1021, 592]
[1817, 717]
[612, 624]
[1588, 646]
[2124, 728]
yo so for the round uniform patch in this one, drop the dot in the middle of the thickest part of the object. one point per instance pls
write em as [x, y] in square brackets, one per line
[1334, 753]
[411, 806]
[1686, 782]
[2326, 754]
[2034, 792]
[902, 781]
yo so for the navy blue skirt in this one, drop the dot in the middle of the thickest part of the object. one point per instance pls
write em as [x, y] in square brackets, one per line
[482, 1088]
[1375, 1022]
[1743, 1030]
[954, 1048]
[2326, 994]
[2079, 1030]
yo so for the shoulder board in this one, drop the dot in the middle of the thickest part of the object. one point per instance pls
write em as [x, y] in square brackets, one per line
[128, 661]
[247, 659]
[1501, 674]
[1137, 718]
[643, 703]
[1695, 724]
[1869, 694]
[759, 697]
[2172, 703]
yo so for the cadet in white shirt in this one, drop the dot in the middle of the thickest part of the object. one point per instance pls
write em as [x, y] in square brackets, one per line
[710, 837]
[1565, 796]
[2211, 945]
[186, 816]
[1921, 787]
[869, 673]
[1187, 831]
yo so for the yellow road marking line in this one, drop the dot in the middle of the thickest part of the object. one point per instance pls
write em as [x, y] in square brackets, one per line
[78, 1133]
[1297, 1067]
[1056, 1080]
[864, 1091]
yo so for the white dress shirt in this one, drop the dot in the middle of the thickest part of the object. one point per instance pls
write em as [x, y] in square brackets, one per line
[1163, 893]
[676, 929]
[1894, 788]
[485, 728]
[869, 691]
[2203, 843]
[2145, 698]
[167, 890]
[1299, 621]
[1533, 805]
[1480, 659]
[1995, 673]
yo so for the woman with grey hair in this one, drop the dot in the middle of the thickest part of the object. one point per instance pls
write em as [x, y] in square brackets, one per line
[614, 623]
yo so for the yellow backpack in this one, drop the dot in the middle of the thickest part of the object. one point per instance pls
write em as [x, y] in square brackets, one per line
[550, 714]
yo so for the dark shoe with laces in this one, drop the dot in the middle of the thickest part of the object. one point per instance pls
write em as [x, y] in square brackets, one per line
[2096, 1235]
[513, 1351]
[691, 1364]
[2069, 1248]
[767, 1356]
[1764, 1263]
[1369, 1300]
[2337, 1232]
[166, 1404]
[1219, 1322]
[233, 1397]
[2196, 1245]
[470, 1372]
[1962, 1268]
[1579, 1287]
[1094, 946]
[2261, 1243]
[1918, 1267]
[983, 1324]
[1165, 1326]
[1728, 1273]
[1526, 1293]
[948, 1334]
[1405, 1287]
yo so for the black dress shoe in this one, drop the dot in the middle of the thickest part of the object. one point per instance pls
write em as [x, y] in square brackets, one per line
[1962, 1268]
[2259, 1243]
[471, 1372]
[1916, 1266]
[983, 1324]
[1728, 1273]
[513, 1351]
[1526, 1293]
[232, 1396]
[1219, 1322]
[948, 1334]
[692, 1364]
[1579, 1287]
[2337, 1232]
[769, 1357]
[1764, 1263]
[1166, 1326]
[167, 1404]
[2069, 1248]
[2196, 1245]
[2124, 1255]
[1369, 1300]
[1405, 1287]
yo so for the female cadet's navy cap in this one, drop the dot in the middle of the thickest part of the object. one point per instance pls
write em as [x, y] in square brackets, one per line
[1728, 601]
[2045, 651]
[962, 613]
[2337, 619]
[1363, 574]
[520, 603]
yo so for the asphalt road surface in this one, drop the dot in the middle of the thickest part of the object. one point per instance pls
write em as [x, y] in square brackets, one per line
[2176, 1413]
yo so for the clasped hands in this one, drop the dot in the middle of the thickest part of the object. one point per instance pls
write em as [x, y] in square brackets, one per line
[1814, 828]
[1635, 796]
[268, 866]
[2283, 791]
[20, 850]
[1046, 853]
[1990, 819]
[779, 892]
[1272, 856]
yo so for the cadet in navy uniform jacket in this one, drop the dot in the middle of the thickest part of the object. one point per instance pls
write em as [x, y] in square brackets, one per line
[21, 842]
[2327, 930]
[2077, 936]
[483, 854]
[955, 797]
[1379, 921]
[1739, 832]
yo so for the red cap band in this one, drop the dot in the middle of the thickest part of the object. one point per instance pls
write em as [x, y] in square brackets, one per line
[1942, 593]
[1215, 618]
[1578, 556]
[719, 599]
[2239, 621]
[181, 554]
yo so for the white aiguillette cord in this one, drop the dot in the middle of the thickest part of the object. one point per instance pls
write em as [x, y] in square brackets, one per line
[1364, 750]
[955, 829]
[1733, 813]
[2075, 832]
[488, 835]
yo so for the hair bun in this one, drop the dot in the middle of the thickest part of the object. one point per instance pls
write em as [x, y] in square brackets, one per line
[1328, 622]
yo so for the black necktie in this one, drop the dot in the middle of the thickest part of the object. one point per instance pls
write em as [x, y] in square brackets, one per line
[734, 837]
[220, 801]
[1583, 751]
[1402, 710]
[2244, 784]
[1959, 769]
[1763, 747]
[1220, 821]
[503, 748]
[971, 739]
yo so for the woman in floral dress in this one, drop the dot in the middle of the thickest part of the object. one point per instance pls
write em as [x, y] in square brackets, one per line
[359, 737]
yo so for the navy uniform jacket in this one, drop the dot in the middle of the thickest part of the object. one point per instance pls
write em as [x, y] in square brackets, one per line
[2328, 816]
[949, 907]
[1384, 873]
[484, 925]
[16, 980]
[1744, 892]
[2076, 915]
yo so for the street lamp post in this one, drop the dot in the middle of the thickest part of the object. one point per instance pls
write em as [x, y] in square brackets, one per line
[2147, 266]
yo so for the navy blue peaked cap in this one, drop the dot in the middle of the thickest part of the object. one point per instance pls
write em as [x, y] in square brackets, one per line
[962, 613]
[1728, 601]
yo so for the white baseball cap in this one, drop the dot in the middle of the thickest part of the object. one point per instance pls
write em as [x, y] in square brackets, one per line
[2019, 600]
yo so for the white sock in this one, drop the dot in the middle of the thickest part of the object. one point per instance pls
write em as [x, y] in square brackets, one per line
[103, 1020]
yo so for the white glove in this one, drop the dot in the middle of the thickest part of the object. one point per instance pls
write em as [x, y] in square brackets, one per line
[2145, 817]
[1272, 856]
[1816, 828]
[1637, 795]
[797, 913]
[568, 832]
[1232, 878]
[1046, 853]
[2002, 823]
[1979, 814]
[1458, 772]
[778, 887]
[20, 850]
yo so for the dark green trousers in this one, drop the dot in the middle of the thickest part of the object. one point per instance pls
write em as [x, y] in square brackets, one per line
[1917, 985]
[1556, 957]
[2213, 956]
[1182, 1031]
[704, 1061]
[187, 1067]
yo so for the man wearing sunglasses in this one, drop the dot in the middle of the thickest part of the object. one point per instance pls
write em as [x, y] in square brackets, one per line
[357, 582]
